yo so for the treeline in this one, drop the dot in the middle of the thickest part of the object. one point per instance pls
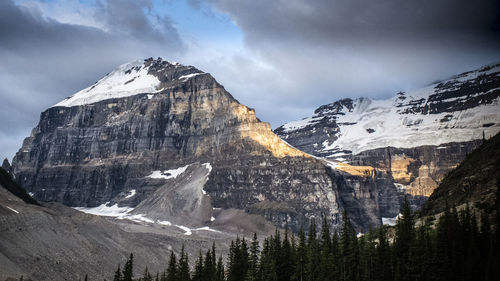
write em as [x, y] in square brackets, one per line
[461, 246]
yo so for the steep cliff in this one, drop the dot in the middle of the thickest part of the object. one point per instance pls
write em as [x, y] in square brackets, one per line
[116, 141]
[414, 138]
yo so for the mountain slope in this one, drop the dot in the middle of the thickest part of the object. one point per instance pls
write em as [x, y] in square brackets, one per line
[475, 181]
[414, 138]
[54, 242]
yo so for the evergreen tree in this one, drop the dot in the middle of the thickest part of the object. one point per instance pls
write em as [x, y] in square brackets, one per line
[349, 251]
[147, 276]
[198, 269]
[209, 267]
[327, 262]
[220, 276]
[171, 274]
[335, 266]
[128, 269]
[301, 260]
[253, 265]
[287, 260]
[267, 269]
[183, 267]
[405, 235]
[313, 252]
[118, 274]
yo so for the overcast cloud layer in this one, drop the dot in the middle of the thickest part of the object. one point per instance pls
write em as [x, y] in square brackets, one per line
[328, 49]
[295, 56]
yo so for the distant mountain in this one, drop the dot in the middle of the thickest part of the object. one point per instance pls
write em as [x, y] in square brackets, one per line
[476, 181]
[412, 139]
[166, 142]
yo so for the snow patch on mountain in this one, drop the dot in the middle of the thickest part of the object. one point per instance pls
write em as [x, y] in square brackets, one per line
[127, 80]
[131, 194]
[168, 174]
[12, 209]
[106, 211]
[391, 221]
[186, 77]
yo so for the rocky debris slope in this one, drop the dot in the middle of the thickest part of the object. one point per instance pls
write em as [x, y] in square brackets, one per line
[54, 242]
[112, 145]
[414, 138]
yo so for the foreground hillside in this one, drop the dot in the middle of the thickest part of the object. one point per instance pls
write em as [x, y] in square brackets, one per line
[54, 242]
[476, 182]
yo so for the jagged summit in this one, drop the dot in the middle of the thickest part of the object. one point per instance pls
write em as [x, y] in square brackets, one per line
[136, 77]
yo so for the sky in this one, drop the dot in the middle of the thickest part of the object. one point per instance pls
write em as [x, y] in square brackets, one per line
[282, 57]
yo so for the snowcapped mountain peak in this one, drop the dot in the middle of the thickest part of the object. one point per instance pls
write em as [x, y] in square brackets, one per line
[455, 110]
[136, 77]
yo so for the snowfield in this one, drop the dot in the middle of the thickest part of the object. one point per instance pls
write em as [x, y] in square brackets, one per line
[127, 80]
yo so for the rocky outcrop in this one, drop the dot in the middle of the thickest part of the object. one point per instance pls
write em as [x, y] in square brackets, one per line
[6, 165]
[97, 146]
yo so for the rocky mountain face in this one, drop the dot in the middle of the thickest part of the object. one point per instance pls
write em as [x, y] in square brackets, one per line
[170, 141]
[413, 139]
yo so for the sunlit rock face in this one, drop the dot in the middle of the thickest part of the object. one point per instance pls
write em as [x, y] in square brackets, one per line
[149, 117]
[412, 139]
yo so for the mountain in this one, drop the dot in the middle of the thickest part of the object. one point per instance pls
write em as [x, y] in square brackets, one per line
[167, 143]
[476, 182]
[412, 139]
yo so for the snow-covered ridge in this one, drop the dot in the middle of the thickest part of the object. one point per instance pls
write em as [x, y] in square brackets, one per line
[456, 110]
[127, 80]
[132, 78]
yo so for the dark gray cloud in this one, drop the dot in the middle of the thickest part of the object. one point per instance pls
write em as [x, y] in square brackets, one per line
[44, 60]
[323, 50]
[338, 20]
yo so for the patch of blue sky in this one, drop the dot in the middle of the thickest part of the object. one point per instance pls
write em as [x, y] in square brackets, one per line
[201, 22]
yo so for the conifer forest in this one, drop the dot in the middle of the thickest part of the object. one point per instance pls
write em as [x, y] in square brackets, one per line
[460, 245]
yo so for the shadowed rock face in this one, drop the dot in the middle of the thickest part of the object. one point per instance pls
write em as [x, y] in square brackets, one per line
[89, 154]
[474, 183]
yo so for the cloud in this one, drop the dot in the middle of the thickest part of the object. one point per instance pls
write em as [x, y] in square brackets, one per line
[45, 60]
[320, 51]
